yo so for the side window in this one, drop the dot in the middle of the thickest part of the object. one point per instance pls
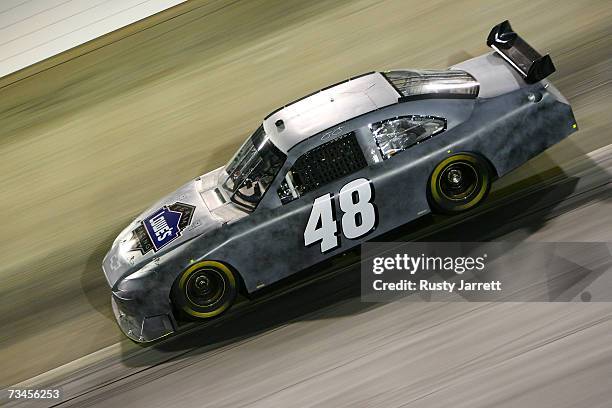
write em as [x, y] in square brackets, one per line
[323, 164]
[398, 134]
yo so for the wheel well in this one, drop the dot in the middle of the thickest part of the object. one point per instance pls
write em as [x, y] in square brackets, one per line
[241, 285]
[485, 159]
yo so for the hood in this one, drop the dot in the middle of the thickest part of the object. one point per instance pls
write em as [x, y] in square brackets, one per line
[197, 208]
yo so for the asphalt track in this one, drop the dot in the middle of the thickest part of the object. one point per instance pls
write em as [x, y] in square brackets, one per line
[317, 344]
[87, 144]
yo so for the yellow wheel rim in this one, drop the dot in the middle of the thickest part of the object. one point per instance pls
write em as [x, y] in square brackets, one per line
[200, 265]
[433, 181]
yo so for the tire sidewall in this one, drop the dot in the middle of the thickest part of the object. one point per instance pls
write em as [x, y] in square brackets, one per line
[192, 310]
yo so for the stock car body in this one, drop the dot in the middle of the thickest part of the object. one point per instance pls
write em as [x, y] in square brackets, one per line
[330, 171]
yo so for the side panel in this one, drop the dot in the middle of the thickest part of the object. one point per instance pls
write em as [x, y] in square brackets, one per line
[511, 129]
[268, 245]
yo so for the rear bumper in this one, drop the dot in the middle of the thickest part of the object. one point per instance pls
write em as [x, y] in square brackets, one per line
[141, 328]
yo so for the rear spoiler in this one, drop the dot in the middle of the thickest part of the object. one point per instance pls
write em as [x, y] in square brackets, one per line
[532, 66]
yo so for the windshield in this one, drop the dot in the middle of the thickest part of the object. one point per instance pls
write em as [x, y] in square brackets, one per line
[252, 169]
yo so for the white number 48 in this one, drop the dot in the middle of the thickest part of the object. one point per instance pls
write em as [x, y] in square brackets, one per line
[358, 218]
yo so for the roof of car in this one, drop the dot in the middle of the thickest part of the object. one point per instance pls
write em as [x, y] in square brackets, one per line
[330, 106]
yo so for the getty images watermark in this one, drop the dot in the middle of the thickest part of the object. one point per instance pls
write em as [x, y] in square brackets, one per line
[492, 271]
[413, 264]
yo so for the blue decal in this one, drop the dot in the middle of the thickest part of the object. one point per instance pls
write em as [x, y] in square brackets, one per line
[163, 227]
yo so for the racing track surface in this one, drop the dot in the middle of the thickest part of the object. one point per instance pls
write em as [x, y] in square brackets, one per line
[316, 344]
[86, 145]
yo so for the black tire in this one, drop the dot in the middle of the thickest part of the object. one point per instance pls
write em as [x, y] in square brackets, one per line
[205, 289]
[459, 183]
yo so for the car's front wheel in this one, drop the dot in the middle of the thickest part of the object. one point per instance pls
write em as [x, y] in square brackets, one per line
[458, 183]
[205, 289]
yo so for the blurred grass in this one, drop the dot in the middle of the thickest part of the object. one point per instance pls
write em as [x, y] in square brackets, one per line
[86, 145]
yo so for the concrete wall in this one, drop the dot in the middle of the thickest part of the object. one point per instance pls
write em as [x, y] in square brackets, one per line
[34, 30]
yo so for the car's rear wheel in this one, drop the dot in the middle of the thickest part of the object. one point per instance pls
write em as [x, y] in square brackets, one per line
[458, 183]
[205, 289]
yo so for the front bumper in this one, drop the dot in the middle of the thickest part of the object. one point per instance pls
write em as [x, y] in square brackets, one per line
[140, 327]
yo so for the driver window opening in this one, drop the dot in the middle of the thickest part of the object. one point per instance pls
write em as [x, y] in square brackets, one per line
[322, 165]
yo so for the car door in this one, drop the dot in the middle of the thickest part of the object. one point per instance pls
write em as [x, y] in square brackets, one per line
[330, 181]
[280, 237]
[357, 185]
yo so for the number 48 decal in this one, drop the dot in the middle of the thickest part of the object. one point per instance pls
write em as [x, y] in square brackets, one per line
[358, 215]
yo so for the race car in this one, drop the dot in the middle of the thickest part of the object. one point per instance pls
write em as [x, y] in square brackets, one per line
[329, 171]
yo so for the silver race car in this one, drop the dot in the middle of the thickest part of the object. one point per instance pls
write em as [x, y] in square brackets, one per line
[329, 171]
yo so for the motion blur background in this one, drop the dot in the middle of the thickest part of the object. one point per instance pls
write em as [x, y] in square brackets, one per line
[90, 137]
